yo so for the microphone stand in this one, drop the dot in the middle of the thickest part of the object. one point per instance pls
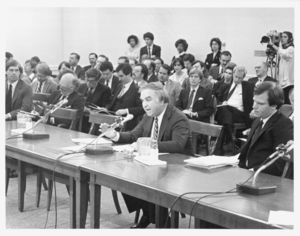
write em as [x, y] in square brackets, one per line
[256, 189]
[33, 135]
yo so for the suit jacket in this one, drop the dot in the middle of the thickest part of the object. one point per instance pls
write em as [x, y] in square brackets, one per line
[131, 101]
[49, 86]
[79, 71]
[75, 101]
[212, 60]
[214, 72]
[22, 98]
[202, 103]
[255, 79]
[114, 84]
[174, 133]
[173, 90]
[153, 78]
[100, 97]
[156, 50]
[278, 129]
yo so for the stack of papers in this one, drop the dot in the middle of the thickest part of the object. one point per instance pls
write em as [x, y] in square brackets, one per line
[102, 141]
[211, 162]
[150, 161]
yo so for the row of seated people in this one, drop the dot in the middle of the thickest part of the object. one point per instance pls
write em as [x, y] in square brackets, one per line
[166, 123]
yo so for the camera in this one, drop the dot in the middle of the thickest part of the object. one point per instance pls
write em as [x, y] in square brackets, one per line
[274, 37]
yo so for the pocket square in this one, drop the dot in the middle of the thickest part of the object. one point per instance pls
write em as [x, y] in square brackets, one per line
[201, 98]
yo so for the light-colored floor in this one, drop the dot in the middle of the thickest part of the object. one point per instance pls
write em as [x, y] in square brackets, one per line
[33, 217]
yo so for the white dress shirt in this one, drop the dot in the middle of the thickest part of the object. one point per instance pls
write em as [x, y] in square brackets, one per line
[236, 99]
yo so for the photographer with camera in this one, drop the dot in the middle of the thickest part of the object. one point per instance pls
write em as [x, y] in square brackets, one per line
[286, 63]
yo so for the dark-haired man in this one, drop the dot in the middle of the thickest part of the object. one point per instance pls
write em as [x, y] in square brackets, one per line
[151, 70]
[108, 78]
[217, 71]
[270, 129]
[150, 49]
[74, 59]
[93, 61]
[140, 74]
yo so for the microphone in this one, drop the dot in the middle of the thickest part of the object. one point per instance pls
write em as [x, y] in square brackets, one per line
[256, 189]
[93, 148]
[34, 135]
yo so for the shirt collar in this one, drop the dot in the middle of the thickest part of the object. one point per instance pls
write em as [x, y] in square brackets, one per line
[267, 118]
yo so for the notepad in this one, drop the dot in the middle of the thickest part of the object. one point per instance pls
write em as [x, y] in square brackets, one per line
[150, 162]
[102, 141]
[213, 161]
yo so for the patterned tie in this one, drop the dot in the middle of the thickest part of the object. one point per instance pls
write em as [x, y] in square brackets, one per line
[121, 92]
[8, 100]
[155, 133]
[39, 89]
[189, 105]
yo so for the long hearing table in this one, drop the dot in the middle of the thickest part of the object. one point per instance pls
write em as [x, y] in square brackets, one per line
[160, 185]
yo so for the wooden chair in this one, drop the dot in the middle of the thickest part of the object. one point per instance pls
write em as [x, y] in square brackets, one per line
[286, 109]
[211, 130]
[236, 127]
[72, 115]
[95, 119]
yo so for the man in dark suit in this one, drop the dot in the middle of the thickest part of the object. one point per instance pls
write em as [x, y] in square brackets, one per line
[150, 49]
[237, 103]
[270, 129]
[162, 122]
[96, 94]
[126, 100]
[18, 93]
[151, 77]
[108, 78]
[221, 88]
[93, 62]
[74, 59]
[44, 82]
[217, 71]
[68, 85]
[196, 101]
[261, 75]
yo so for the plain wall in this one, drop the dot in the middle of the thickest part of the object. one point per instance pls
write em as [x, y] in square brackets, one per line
[53, 33]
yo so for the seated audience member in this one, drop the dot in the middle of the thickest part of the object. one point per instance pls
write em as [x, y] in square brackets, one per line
[93, 61]
[151, 70]
[18, 93]
[140, 74]
[162, 122]
[217, 71]
[150, 49]
[108, 78]
[213, 59]
[34, 61]
[144, 57]
[158, 62]
[261, 75]
[196, 101]
[270, 129]
[179, 74]
[181, 45]
[73, 60]
[188, 60]
[8, 56]
[122, 60]
[205, 81]
[101, 58]
[68, 85]
[44, 82]
[172, 88]
[237, 103]
[133, 51]
[96, 94]
[126, 100]
[63, 66]
[221, 88]
[29, 75]
[132, 63]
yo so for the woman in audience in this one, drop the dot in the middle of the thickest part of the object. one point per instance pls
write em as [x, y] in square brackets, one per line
[63, 66]
[133, 51]
[179, 74]
[181, 46]
[213, 59]
[286, 63]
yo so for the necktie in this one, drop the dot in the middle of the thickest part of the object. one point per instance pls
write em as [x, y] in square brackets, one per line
[8, 99]
[106, 83]
[39, 89]
[190, 99]
[231, 92]
[155, 133]
[121, 92]
[257, 131]
[149, 52]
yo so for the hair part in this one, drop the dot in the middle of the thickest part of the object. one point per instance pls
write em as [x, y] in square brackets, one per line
[125, 68]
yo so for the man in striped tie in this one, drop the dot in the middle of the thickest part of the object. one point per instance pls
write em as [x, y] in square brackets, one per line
[163, 122]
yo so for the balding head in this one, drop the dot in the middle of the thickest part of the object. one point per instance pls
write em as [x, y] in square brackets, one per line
[68, 83]
[261, 69]
[43, 71]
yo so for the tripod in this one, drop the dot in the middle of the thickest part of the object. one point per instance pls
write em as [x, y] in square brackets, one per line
[273, 64]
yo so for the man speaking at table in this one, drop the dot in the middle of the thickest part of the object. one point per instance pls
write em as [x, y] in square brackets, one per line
[162, 122]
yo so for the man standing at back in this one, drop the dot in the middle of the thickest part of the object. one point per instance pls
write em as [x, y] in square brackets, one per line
[74, 59]
[150, 49]
[108, 78]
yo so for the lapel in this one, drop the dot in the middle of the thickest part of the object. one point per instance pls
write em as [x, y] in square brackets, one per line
[16, 92]
[186, 98]
[164, 122]
[198, 94]
[266, 127]
[148, 126]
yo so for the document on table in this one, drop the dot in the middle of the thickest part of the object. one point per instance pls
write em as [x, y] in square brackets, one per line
[150, 161]
[282, 217]
[81, 141]
[75, 148]
[213, 161]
